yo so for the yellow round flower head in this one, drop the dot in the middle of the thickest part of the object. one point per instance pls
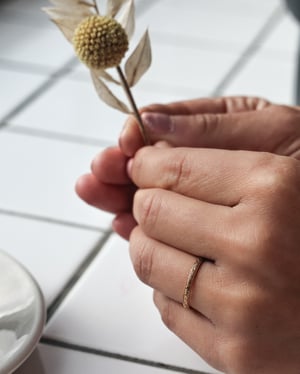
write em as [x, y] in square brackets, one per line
[100, 42]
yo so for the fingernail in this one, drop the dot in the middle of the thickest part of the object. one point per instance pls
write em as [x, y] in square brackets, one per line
[158, 123]
[129, 167]
[125, 126]
[162, 144]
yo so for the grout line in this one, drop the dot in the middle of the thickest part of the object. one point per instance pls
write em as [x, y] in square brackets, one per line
[64, 137]
[202, 42]
[35, 217]
[118, 356]
[26, 67]
[77, 275]
[242, 60]
[54, 77]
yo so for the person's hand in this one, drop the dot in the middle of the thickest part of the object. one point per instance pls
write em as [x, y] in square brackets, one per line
[239, 211]
[245, 299]
[230, 122]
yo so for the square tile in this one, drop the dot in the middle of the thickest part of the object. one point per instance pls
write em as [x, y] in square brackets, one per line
[51, 252]
[234, 21]
[15, 87]
[47, 359]
[73, 107]
[283, 41]
[29, 44]
[38, 177]
[266, 77]
[188, 70]
[109, 305]
[21, 12]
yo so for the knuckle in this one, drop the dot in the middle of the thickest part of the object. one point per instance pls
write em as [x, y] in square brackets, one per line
[233, 104]
[274, 184]
[257, 103]
[260, 240]
[142, 253]
[138, 162]
[286, 114]
[147, 207]
[177, 172]
[243, 304]
[287, 124]
[207, 123]
[274, 175]
[239, 354]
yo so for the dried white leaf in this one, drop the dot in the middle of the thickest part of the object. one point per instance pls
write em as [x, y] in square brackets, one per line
[139, 61]
[92, 4]
[73, 3]
[114, 6]
[66, 30]
[107, 96]
[105, 75]
[65, 22]
[77, 15]
[127, 18]
[64, 4]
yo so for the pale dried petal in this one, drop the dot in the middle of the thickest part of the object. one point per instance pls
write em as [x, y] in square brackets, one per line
[127, 19]
[114, 6]
[105, 75]
[77, 14]
[65, 21]
[73, 3]
[65, 29]
[64, 4]
[106, 95]
[140, 60]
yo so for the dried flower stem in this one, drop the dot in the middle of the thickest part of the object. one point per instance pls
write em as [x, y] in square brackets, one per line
[133, 105]
[96, 7]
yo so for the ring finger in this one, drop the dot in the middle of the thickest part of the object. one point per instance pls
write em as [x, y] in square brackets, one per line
[167, 269]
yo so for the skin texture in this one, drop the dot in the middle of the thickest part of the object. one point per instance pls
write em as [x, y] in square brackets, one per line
[221, 181]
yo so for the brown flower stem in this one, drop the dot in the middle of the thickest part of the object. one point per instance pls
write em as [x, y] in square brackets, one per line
[96, 7]
[133, 105]
[90, 5]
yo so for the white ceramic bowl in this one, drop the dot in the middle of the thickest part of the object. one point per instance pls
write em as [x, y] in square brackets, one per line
[22, 314]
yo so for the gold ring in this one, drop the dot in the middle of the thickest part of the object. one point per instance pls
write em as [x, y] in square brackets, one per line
[188, 286]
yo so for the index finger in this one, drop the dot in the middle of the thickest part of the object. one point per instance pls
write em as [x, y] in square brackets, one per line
[131, 140]
[219, 105]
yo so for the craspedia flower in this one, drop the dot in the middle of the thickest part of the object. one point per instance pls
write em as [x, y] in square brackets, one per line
[100, 42]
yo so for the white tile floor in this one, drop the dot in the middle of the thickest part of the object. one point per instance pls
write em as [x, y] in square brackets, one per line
[52, 123]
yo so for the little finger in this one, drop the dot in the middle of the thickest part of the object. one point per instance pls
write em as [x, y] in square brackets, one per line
[191, 327]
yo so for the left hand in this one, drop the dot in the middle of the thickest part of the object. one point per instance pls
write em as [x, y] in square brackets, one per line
[226, 122]
[239, 211]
